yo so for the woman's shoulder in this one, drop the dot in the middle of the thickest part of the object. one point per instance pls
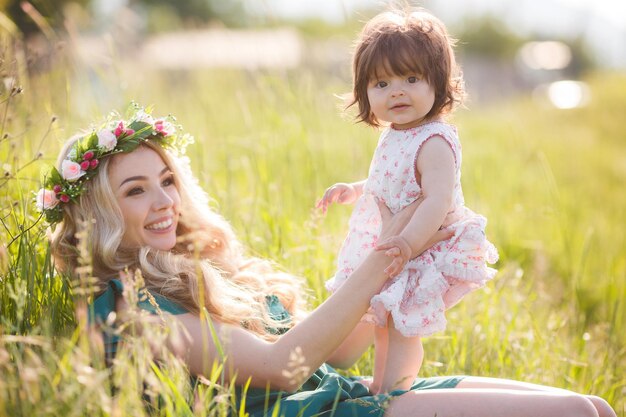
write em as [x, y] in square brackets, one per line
[104, 304]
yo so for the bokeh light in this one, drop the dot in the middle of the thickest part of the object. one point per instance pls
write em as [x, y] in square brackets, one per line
[564, 94]
[546, 55]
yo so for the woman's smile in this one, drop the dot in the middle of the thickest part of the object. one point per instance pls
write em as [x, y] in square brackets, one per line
[161, 226]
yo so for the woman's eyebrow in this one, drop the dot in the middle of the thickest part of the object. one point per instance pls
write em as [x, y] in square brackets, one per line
[142, 177]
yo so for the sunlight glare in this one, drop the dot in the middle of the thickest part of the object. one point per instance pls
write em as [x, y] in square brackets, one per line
[547, 55]
[568, 94]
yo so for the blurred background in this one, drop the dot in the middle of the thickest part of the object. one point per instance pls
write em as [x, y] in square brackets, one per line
[258, 83]
[506, 47]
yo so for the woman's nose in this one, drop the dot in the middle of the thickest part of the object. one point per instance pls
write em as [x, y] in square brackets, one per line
[163, 200]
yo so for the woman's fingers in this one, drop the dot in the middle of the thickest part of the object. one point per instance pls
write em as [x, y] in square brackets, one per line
[392, 224]
[393, 252]
[390, 246]
[385, 244]
[399, 243]
[385, 213]
[394, 268]
[399, 249]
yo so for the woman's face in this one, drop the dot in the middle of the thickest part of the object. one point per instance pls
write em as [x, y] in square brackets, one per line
[147, 195]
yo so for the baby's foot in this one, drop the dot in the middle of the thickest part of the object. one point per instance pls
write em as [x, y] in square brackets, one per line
[369, 384]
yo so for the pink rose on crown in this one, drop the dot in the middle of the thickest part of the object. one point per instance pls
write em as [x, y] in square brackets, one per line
[46, 199]
[106, 140]
[120, 130]
[164, 127]
[71, 170]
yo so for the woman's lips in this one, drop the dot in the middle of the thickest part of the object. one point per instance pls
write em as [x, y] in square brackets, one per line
[161, 226]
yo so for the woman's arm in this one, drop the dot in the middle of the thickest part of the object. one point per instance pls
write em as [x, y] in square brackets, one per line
[353, 346]
[317, 336]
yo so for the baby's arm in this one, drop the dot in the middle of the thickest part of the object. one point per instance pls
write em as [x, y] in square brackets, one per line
[341, 193]
[435, 163]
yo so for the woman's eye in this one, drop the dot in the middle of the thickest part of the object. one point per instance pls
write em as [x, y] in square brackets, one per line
[168, 181]
[381, 84]
[412, 80]
[134, 191]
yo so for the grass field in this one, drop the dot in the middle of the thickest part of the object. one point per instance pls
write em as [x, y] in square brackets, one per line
[551, 183]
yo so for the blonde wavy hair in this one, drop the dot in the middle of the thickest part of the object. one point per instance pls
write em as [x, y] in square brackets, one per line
[207, 254]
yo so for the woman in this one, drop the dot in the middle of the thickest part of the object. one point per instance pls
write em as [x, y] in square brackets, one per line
[150, 215]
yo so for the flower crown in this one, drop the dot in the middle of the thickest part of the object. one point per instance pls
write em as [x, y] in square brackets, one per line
[115, 136]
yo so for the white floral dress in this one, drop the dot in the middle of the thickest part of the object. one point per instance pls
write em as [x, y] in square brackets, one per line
[418, 296]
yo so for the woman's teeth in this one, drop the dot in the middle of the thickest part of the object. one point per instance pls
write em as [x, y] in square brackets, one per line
[162, 225]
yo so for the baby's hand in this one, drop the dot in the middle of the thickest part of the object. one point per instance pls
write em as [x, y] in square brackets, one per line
[340, 193]
[399, 249]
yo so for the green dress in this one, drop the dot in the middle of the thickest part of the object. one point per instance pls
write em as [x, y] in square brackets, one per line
[326, 393]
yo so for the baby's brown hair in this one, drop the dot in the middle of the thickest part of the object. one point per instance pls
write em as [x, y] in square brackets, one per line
[401, 43]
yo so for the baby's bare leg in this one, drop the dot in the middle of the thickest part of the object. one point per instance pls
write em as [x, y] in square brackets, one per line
[404, 359]
[381, 342]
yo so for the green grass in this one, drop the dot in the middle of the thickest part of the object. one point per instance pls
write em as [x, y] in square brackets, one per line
[267, 144]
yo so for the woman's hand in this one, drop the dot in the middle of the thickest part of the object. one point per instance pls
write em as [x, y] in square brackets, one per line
[393, 224]
[398, 248]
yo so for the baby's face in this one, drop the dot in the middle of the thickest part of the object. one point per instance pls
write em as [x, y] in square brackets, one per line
[402, 100]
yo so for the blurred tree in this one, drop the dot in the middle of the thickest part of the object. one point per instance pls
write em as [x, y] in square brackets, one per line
[189, 13]
[487, 36]
[50, 10]
[193, 13]
[582, 58]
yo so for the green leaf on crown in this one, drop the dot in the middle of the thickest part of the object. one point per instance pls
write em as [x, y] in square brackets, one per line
[129, 143]
[142, 129]
[54, 215]
[52, 178]
[92, 142]
[83, 145]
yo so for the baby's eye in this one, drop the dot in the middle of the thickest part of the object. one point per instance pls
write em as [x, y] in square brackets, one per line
[381, 84]
[412, 79]
[134, 191]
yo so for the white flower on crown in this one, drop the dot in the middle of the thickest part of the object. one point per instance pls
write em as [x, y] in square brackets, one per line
[46, 199]
[106, 140]
[71, 170]
[72, 154]
[142, 116]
